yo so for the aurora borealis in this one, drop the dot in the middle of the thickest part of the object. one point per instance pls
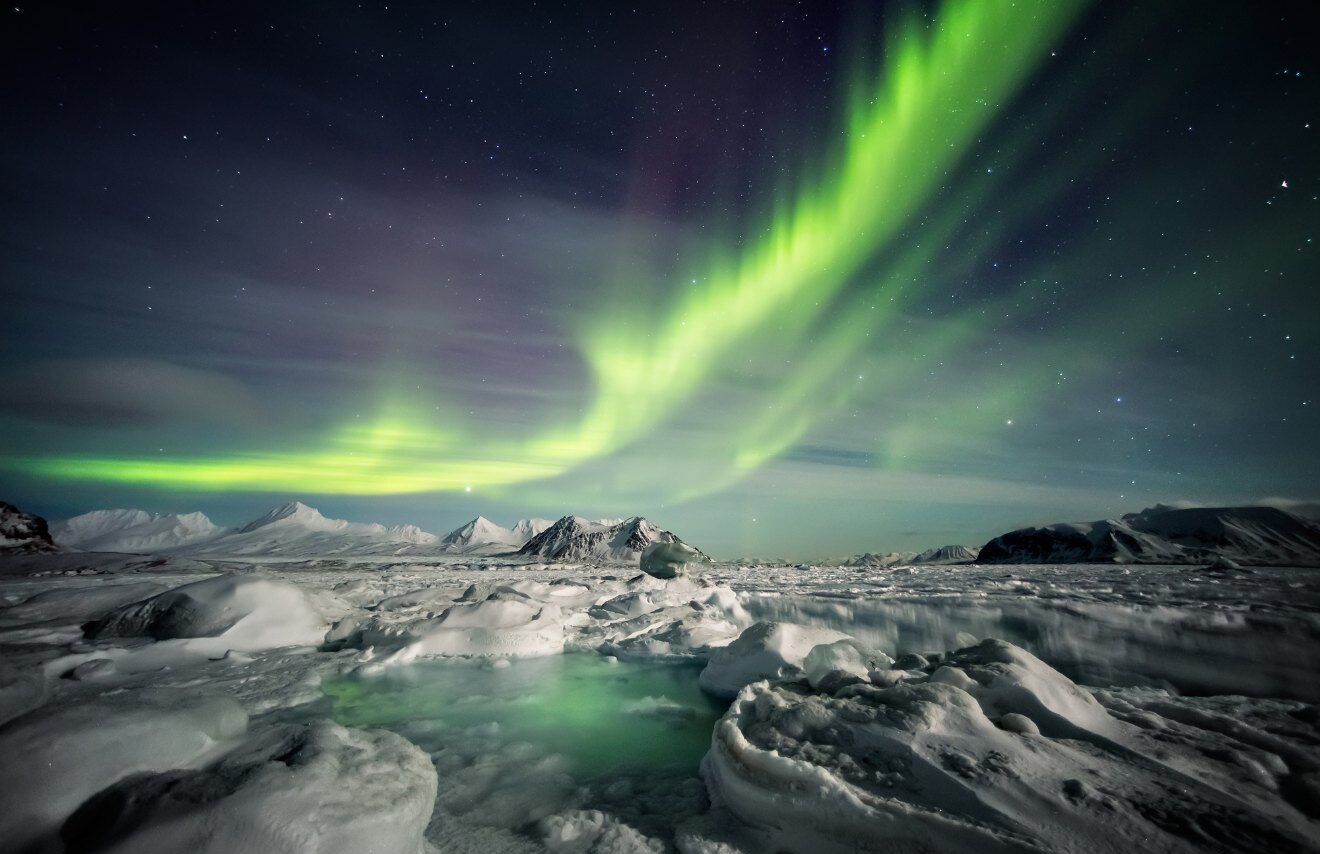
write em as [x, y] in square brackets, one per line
[784, 277]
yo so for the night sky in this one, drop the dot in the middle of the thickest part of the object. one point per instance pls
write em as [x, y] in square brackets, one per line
[790, 279]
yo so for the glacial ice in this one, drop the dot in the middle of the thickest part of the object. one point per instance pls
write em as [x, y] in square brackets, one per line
[532, 707]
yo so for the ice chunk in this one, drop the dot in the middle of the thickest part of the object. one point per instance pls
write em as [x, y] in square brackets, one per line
[55, 758]
[763, 651]
[846, 656]
[296, 788]
[671, 560]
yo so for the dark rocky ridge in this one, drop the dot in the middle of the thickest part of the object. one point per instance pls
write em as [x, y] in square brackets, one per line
[1244, 535]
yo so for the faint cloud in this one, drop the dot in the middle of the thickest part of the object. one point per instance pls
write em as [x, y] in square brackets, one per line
[125, 393]
[830, 456]
[1310, 508]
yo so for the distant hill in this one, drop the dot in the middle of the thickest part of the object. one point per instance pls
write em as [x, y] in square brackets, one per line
[1263, 536]
[939, 555]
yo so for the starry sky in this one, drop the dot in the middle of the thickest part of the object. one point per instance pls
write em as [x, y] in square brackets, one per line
[791, 279]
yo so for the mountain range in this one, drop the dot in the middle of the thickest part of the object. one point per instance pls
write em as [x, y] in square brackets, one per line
[295, 530]
[1256, 535]
[938, 555]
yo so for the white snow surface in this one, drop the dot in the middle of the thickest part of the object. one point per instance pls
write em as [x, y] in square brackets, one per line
[1170, 708]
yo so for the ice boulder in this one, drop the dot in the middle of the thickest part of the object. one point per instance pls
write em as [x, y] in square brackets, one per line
[846, 658]
[296, 789]
[671, 560]
[244, 612]
[763, 651]
[54, 758]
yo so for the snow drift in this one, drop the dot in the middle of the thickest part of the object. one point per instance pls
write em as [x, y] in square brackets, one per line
[992, 750]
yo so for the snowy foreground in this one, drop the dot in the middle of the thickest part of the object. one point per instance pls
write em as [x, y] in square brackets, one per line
[155, 704]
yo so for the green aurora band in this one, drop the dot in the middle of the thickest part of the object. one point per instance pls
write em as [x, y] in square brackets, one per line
[942, 86]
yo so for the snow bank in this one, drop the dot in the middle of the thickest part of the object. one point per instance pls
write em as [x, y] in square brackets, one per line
[246, 612]
[20, 690]
[53, 759]
[310, 789]
[992, 750]
[764, 650]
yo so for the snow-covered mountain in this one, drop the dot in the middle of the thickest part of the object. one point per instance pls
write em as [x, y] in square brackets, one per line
[525, 529]
[942, 554]
[575, 538]
[482, 535]
[1161, 534]
[884, 559]
[23, 532]
[289, 530]
[133, 531]
[946, 554]
[296, 530]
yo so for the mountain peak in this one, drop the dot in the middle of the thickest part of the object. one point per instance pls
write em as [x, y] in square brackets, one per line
[476, 531]
[576, 538]
[292, 513]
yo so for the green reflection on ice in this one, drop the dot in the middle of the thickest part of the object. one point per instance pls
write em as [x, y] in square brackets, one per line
[604, 717]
